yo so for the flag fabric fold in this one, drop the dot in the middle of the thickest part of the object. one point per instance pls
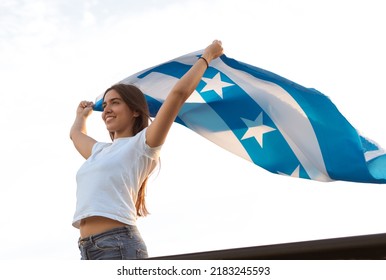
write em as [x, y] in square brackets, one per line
[271, 121]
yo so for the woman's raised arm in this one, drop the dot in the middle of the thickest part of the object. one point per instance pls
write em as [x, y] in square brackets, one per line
[159, 128]
[78, 133]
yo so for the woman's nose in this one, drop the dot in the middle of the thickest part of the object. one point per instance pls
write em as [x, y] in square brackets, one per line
[107, 109]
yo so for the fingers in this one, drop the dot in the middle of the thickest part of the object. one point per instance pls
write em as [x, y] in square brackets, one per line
[85, 108]
[84, 104]
[217, 42]
[215, 49]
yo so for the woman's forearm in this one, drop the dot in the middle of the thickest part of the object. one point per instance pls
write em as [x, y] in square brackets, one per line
[83, 111]
[189, 82]
[79, 126]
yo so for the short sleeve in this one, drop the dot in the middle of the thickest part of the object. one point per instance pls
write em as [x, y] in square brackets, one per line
[151, 152]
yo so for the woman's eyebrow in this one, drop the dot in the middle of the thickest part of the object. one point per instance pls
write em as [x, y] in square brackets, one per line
[112, 99]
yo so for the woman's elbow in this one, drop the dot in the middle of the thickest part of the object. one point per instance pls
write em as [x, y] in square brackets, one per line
[180, 95]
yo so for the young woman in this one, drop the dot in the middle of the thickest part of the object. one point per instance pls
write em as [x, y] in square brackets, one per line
[111, 183]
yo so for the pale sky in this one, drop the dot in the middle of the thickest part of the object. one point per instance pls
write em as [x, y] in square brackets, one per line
[54, 54]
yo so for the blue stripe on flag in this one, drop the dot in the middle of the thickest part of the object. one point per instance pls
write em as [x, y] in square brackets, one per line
[338, 140]
[275, 123]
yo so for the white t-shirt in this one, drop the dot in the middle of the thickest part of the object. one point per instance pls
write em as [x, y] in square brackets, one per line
[109, 180]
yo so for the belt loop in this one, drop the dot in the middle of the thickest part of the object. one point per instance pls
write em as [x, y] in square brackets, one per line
[81, 241]
[91, 239]
[129, 231]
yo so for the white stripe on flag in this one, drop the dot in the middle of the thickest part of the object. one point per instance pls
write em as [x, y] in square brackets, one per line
[158, 85]
[287, 115]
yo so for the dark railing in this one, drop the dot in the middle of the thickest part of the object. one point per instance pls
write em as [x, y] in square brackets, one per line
[365, 247]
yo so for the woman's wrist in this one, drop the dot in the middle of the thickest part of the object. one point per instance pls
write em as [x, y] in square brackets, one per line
[205, 60]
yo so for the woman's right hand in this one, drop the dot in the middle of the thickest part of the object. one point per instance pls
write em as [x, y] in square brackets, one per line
[85, 108]
[78, 133]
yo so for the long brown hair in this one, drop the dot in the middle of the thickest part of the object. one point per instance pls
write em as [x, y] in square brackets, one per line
[135, 99]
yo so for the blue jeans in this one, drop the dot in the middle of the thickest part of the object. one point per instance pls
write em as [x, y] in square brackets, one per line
[122, 243]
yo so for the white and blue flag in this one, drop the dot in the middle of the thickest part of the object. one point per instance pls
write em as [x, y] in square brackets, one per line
[275, 123]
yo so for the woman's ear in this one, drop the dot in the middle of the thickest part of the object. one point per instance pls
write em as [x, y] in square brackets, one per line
[136, 114]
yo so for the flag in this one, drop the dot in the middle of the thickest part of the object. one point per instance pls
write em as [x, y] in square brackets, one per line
[271, 121]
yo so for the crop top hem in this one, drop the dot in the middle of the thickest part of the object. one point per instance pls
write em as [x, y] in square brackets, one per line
[77, 220]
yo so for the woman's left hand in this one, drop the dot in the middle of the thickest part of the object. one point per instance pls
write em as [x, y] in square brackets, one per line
[213, 51]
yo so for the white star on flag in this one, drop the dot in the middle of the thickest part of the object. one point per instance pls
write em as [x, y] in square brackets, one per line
[256, 129]
[215, 84]
[315, 141]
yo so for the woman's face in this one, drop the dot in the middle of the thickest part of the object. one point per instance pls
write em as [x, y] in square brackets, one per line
[118, 117]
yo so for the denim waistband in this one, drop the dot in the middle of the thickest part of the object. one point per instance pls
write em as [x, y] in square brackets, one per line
[95, 237]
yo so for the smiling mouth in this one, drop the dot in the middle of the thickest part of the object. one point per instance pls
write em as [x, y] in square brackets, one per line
[109, 118]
